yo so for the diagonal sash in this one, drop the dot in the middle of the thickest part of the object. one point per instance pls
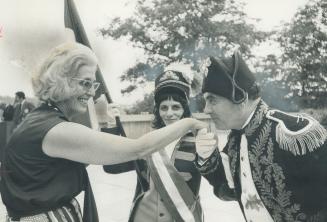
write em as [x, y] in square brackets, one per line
[176, 194]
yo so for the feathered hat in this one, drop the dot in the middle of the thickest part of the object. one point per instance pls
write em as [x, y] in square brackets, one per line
[171, 81]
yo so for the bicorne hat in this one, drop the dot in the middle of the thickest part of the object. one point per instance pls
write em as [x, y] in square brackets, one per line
[170, 82]
[230, 78]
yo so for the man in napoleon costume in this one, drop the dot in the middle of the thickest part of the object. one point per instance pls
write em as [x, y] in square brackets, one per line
[274, 163]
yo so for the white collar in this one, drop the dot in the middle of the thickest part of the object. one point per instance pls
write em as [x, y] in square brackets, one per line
[248, 119]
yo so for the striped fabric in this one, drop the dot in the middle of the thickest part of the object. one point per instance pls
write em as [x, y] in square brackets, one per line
[68, 213]
[169, 184]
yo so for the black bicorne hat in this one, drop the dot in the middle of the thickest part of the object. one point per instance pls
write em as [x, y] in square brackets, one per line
[230, 78]
[171, 81]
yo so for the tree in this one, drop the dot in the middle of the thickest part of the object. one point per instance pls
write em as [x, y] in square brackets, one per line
[179, 31]
[274, 90]
[304, 58]
[145, 105]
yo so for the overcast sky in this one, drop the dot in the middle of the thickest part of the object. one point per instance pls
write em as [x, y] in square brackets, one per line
[30, 28]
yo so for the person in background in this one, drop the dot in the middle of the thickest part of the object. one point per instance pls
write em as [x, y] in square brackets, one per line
[168, 182]
[2, 109]
[44, 163]
[274, 163]
[21, 108]
[8, 112]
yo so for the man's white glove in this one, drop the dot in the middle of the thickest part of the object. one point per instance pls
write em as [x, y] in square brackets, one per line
[205, 143]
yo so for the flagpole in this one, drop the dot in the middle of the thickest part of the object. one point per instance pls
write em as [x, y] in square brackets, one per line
[73, 21]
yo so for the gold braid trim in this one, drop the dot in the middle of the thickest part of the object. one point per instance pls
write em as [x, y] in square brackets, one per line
[299, 142]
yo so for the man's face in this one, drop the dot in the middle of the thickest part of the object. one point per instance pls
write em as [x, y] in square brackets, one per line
[223, 112]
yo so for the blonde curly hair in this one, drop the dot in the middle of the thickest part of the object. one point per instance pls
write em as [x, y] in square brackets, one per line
[51, 82]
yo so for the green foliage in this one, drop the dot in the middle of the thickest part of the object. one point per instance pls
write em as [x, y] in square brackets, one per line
[145, 105]
[197, 103]
[298, 79]
[318, 114]
[276, 92]
[178, 31]
[304, 59]
[171, 31]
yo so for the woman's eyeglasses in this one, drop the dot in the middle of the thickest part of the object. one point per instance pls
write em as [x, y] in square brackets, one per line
[88, 84]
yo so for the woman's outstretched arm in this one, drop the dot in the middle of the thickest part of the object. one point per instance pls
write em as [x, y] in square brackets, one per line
[79, 143]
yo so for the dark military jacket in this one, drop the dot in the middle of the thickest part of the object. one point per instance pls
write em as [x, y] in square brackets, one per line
[288, 161]
[183, 159]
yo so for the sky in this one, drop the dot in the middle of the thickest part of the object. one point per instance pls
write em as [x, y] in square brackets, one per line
[28, 29]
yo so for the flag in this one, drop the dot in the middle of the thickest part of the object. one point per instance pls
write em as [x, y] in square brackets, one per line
[73, 22]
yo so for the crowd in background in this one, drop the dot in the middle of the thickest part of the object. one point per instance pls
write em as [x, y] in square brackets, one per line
[17, 111]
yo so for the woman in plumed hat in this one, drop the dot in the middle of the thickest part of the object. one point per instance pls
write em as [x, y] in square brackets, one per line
[168, 181]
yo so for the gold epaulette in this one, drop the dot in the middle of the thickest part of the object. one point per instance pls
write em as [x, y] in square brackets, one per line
[297, 133]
